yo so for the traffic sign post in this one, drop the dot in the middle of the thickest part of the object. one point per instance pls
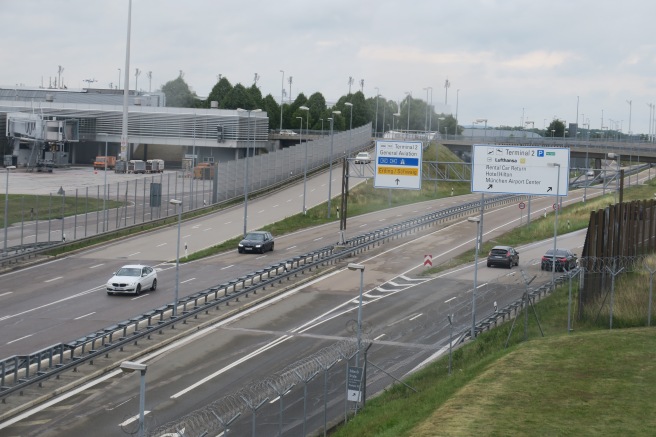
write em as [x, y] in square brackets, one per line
[398, 164]
[428, 260]
[354, 384]
[521, 205]
[519, 170]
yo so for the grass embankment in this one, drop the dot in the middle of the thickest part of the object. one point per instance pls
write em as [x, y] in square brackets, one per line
[591, 382]
[571, 218]
[25, 207]
[363, 198]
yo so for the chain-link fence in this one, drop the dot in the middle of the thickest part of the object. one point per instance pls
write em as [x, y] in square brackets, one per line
[313, 388]
[72, 214]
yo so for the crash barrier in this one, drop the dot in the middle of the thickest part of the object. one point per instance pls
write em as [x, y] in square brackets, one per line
[19, 372]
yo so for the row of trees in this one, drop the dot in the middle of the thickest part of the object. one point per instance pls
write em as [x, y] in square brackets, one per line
[390, 115]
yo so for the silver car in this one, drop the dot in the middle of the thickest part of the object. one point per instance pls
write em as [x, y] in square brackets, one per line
[132, 279]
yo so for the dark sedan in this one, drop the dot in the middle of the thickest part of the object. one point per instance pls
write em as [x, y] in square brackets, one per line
[257, 241]
[565, 260]
[505, 256]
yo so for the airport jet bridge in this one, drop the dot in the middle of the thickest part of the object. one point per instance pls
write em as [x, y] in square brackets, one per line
[39, 141]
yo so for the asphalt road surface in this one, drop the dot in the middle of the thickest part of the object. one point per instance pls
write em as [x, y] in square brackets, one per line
[404, 314]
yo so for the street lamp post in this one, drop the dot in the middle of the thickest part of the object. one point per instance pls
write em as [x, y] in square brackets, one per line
[553, 261]
[476, 220]
[330, 159]
[483, 120]
[618, 175]
[360, 267]
[9, 167]
[282, 95]
[376, 125]
[426, 121]
[350, 126]
[178, 206]
[409, 93]
[307, 122]
[246, 176]
[129, 367]
[438, 124]
[105, 186]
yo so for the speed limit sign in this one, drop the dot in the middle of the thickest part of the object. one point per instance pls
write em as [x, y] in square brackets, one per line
[555, 206]
[522, 205]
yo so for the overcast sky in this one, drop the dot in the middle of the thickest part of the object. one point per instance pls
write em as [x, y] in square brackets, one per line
[508, 58]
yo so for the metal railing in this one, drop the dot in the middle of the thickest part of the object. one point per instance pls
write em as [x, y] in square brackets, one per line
[21, 371]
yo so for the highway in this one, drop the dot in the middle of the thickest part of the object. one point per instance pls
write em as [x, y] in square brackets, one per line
[408, 324]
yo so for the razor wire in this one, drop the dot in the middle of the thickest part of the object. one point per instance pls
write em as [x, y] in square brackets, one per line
[216, 416]
[630, 264]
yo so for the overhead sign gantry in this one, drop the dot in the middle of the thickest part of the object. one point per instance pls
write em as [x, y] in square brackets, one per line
[520, 170]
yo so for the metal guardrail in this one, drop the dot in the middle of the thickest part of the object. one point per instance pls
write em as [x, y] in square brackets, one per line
[20, 371]
[512, 309]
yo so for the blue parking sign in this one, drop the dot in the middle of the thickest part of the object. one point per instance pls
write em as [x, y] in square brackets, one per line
[541, 153]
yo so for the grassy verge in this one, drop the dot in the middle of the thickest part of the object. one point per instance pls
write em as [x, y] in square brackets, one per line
[594, 381]
[22, 207]
[570, 218]
[591, 382]
[363, 198]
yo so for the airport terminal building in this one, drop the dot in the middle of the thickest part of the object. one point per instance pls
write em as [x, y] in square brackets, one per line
[73, 126]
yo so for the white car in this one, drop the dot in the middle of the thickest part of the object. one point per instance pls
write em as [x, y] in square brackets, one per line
[132, 279]
[362, 158]
[590, 173]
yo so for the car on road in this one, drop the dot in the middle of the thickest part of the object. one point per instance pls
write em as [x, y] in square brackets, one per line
[132, 278]
[505, 256]
[256, 241]
[362, 158]
[590, 173]
[565, 260]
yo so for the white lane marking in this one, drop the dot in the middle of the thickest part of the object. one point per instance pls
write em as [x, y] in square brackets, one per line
[261, 256]
[4, 294]
[132, 254]
[97, 265]
[163, 244]
[379, 337]
[255, 353]
[260, 212]
[227, 223]
[275, 206]
[447, 301]
[82, 317]
[317, 239]
[188, 280]
[290, 200]
[187, 236]
[227, 267]
[208, 229]
[19, 339]
[195, 227]
[9, 316]
[362, 226]
[292, 247]
[416, 317]
[132, 419]
[54, 279]
[140, 296]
